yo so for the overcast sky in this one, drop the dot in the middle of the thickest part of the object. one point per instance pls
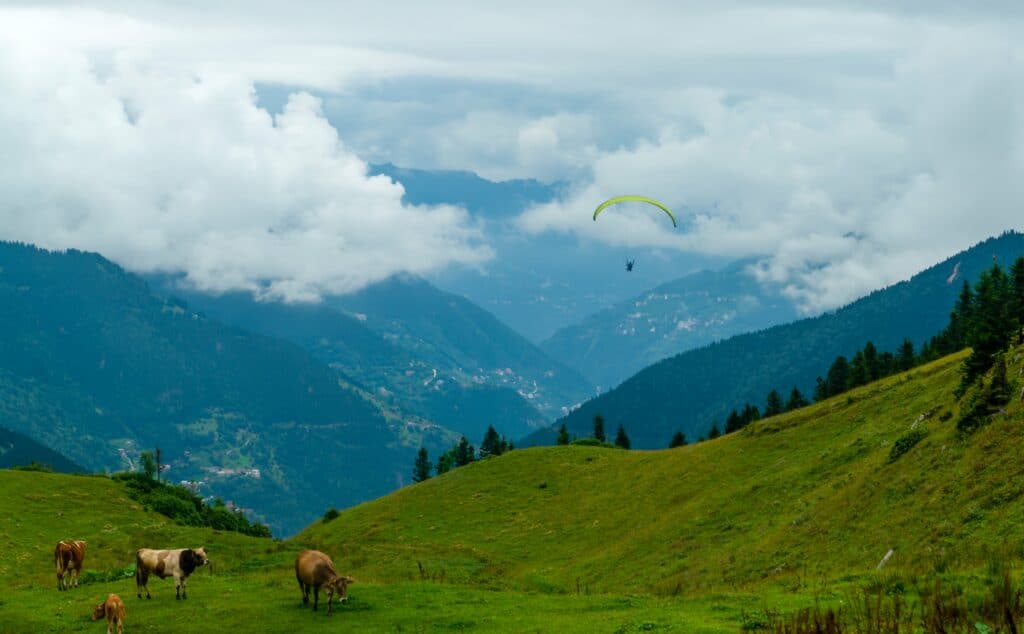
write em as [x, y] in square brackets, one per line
[846, 145]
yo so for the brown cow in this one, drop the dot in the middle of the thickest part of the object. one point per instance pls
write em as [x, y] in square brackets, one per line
[167, 563]
[314, 569]
[113, 609]
[68, 556]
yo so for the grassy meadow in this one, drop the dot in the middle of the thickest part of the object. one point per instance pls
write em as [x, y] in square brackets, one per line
[739, 533]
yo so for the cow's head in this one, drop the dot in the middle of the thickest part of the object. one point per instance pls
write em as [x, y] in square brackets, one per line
[98, 612]
[200, 556]
[341, 587]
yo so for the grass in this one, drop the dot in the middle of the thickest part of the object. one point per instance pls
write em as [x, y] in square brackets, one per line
[792, 513]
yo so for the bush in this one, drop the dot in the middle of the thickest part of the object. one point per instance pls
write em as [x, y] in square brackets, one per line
[906, 442]
[592, 442]
[331, 514]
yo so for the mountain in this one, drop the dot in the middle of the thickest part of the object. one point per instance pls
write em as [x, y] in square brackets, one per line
[690, 390]
[617, 342]
[419, 349]
[18, 450]
[97, 367]
[483, 197]
[536, 284]
[816, 494]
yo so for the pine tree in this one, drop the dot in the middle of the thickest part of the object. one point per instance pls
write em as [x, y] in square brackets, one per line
[796, 400]
[599, 428]
[905, 357]
[954, 337]
[858, 374]
[713, 432]
[465, 453]
[773, 404]
[750, 414]
[563, 435]
[678, 440]
[734, 422]
[871, 362]
[446, 462]
[493, 444]
[990, 327]
[1017, 284]
[820, 390]
[148, 463]
[421, 468]
[621, 439]
[838, 376]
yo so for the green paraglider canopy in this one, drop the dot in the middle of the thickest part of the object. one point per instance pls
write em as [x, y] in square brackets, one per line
[641, 199]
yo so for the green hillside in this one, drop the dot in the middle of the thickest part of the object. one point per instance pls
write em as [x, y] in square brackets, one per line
[689, 391]
[95, 366]
[806, 495]
[794, 511]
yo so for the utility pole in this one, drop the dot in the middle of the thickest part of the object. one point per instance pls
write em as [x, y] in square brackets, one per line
[158, 464]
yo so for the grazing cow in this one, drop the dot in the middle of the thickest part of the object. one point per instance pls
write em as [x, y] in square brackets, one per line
[113, 609]
[68, 556]
[314, 569]
[167, 563]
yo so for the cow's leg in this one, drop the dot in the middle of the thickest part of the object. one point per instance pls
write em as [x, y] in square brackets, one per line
[60, 581]
[316, 597]
[184, 587]
[177, 587]
[304, 590]
[142, 581]
[330, 599]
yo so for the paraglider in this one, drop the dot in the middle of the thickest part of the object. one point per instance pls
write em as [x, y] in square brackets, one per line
[641, 199]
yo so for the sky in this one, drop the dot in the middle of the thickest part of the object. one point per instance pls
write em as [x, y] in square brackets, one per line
[842, 146]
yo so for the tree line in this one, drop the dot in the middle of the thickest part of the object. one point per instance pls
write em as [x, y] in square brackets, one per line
[460, 455]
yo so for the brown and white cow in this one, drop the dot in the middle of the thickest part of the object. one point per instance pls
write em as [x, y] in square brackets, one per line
[113, 609]
[314, 569]
[178, 563]
[68, 556]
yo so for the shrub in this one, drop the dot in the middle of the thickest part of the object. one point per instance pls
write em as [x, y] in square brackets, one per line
[906, 442]
[592, 442]
[331, 514]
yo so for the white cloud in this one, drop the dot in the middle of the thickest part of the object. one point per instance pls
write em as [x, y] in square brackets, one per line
[167, 171]
[845, 143]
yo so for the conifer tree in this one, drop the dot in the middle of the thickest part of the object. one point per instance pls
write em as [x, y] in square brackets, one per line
[563, 435]
[599, 428]
[989, 328]
[713, 432]
[446, 462]
[773, 404]
[905, 357]
[750, 414]
[838, 376]
[621, 439]
[796, 400]
[493, 444]
[421, 468]
[734, 422]
[858, 374]
[820, 390]
[1017, 284]
[871, 362]
[465, 453]
[678, 440]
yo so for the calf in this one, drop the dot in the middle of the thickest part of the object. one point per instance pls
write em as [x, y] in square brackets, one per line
[167, 563]
[68, 556]
[314, 569]
[113, 609]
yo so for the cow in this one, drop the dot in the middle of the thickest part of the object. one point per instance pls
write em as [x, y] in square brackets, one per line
[113, 609]
[68, 556]
[178, 563]
[314, 569]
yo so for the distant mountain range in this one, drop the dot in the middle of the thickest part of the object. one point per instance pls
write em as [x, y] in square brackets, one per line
[97, 367]
[18, 450]
[536, 284]
[617, 342]
[689, 391]
[421, 350]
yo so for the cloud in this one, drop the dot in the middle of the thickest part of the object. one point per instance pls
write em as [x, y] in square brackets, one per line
[162, 170]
